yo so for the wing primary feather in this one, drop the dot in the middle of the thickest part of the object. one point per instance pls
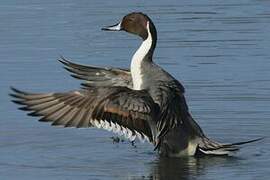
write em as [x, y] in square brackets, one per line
[86, 118]
[118, 109]
[61, 119]
[56, 117]
[77, 103]
[81, 114]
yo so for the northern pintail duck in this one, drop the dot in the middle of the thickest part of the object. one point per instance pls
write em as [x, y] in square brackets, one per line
[145, 102]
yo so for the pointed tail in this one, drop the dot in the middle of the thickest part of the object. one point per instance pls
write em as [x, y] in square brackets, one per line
[210, 147]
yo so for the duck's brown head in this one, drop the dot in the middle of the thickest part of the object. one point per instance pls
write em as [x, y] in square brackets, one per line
[135, 23]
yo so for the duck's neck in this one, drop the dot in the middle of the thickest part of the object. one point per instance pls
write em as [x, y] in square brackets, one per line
[143, 54]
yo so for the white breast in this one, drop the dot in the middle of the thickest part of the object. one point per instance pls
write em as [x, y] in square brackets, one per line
[136, 62]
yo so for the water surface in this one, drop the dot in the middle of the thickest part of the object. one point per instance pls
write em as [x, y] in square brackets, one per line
[219, 50]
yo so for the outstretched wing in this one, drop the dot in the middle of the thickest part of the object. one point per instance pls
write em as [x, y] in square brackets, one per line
[97, 76]
[118, 109]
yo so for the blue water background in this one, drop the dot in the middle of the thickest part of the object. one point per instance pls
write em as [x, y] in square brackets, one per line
[219, 50]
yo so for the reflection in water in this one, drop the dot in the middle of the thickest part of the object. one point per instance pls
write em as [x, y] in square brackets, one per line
[185, 168]
[171, 168]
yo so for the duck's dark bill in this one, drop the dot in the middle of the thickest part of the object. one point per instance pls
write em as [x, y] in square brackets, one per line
[116, 27]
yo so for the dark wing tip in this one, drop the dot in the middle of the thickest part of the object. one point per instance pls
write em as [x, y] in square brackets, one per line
[63, 60]
[14, 96]
[17, 101]
[17, 94]
[68, 63]
[24, 108]
[68, 69]
[16, 91]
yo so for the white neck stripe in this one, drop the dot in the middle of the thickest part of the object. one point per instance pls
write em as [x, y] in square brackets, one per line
[136, 62]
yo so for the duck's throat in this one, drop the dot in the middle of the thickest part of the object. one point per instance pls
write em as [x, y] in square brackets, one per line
[141, 55]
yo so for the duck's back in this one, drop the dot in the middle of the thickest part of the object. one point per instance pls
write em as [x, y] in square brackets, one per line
[168, 93]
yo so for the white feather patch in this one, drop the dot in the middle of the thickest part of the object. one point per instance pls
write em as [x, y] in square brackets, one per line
[120, 130]
[132, 138]
[112, 126]
[139, 136]
[129, 134]
[136, 62]
[97, 124]
[106, 125]
[101, 122]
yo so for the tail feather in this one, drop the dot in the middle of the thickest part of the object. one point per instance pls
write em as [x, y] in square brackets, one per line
[210, 147]
[246, 142]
